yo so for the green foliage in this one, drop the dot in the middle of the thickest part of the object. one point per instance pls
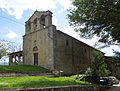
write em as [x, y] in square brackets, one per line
[21, 68]
[77, 76]
[3, 48]
[116, 58]
[38, 81]
[88, 72]
[3, 51]
[99, 17]
[99, 67]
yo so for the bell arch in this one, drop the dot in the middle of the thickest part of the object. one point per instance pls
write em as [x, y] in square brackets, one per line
[42, 20]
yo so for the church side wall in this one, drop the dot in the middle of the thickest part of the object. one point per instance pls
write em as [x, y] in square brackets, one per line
[71, 55]
[43, 39]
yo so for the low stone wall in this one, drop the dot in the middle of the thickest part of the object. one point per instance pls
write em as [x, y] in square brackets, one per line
[24, 73]
[64, 88]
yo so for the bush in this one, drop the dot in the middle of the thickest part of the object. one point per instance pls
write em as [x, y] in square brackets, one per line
[98, 66]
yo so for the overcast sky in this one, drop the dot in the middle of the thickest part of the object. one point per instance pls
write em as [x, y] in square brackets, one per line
[13, 14]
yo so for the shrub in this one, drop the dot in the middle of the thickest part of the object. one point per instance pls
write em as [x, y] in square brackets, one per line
[98, 66]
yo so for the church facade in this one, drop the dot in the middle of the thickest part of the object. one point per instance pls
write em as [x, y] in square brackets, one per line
[44, 45]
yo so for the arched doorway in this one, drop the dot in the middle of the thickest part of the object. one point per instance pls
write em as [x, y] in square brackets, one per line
[35, 54]
[35, 58]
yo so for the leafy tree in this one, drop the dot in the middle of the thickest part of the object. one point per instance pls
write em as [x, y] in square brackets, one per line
[116, 58]
[99, 17]
[3, 48]
[8, 47]
[3, 52]
[99, 67]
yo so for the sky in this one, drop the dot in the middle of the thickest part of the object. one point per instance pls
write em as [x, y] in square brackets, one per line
[14, 13]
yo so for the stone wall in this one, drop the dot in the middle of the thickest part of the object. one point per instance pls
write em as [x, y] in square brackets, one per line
[65, 88]
[43, 40]
[24, 73]
[71, 55]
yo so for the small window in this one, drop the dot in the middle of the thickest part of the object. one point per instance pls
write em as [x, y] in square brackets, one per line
[35, 48]
[67, 43]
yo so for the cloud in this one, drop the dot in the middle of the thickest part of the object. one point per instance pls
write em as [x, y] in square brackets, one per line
[109, 50]
[16, 7]
[66, 4]
[12, 35]
[54, 21]
[11, 8]
[70, 31]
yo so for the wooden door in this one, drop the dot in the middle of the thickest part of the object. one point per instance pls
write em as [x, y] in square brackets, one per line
[35, 58]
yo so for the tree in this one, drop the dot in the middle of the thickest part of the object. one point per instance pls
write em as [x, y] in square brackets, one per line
[3, 52]
[8, 47]
[99, 67]
[3, 48]
[98, 17]
[116, 58]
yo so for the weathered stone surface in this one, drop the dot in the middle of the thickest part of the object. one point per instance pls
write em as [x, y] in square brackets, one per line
[64, 88]
[39, 36]
[71, 55]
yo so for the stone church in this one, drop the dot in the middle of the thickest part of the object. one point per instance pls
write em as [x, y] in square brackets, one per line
[44, 45]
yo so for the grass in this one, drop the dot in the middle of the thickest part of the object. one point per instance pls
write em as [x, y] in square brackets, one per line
[21, 68]
[38, 81]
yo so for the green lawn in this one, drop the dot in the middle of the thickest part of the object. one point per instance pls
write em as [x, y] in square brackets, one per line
[21, 68]
[38, 81]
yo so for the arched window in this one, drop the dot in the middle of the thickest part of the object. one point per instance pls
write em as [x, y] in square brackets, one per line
[13, 59]
[29, 25]
[35, 23]
[16, 58]
[35, 48]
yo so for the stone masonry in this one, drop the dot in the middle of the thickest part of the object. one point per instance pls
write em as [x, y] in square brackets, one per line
[44, 45]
